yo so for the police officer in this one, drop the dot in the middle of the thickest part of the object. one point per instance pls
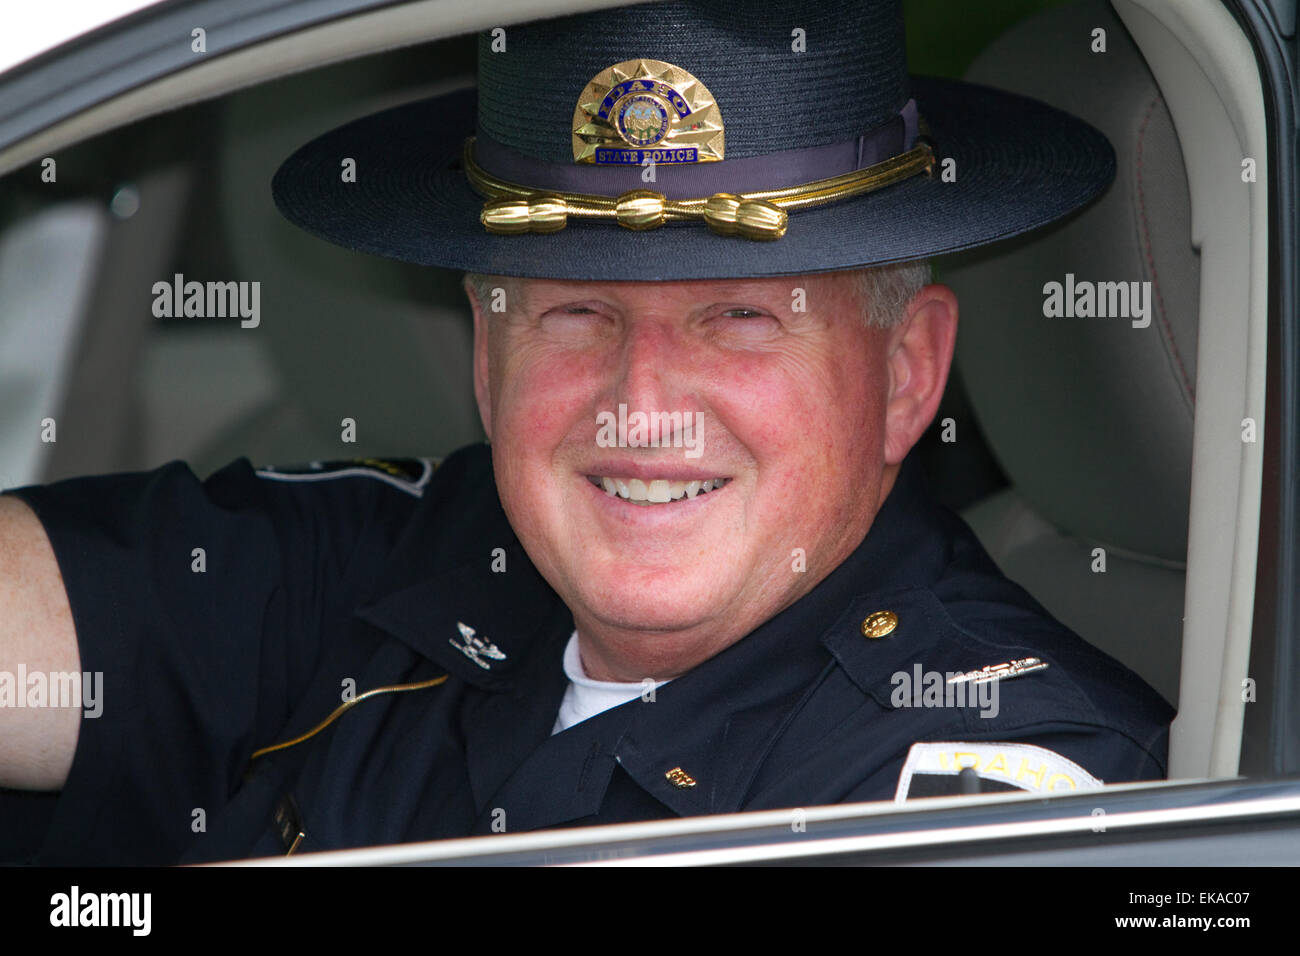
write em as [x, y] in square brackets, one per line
[695, 571]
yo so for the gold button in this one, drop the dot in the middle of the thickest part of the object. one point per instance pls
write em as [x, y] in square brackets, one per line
[680, 778]
[879, 624]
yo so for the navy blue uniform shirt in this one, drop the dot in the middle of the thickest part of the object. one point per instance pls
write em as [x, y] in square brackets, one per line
[315, 588]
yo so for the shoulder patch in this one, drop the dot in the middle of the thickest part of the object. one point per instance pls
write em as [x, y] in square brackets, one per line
[409, 474]
[954, 768]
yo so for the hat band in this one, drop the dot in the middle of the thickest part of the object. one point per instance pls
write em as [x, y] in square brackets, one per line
[513, 208]
[684, 180]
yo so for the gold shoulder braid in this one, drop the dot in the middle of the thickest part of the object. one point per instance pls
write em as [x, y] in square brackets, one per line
[343, 708]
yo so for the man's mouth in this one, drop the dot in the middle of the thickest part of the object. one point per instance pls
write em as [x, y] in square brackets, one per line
[657, 491]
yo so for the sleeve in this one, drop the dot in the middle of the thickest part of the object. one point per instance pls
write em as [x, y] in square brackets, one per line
[201, 609]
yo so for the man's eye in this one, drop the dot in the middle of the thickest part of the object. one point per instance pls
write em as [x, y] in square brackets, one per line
[741, 326]
[575, 324]
[564, 311]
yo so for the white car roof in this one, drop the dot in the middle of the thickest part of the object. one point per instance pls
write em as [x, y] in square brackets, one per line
[33, 28]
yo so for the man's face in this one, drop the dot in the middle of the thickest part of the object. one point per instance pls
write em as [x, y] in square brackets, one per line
[787, 407]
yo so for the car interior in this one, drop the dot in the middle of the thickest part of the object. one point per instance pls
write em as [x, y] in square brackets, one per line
[1076, 440]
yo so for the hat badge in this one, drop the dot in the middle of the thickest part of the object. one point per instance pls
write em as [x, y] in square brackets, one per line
[641, 111]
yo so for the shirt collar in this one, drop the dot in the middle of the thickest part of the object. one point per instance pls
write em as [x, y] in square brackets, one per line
[458, 564]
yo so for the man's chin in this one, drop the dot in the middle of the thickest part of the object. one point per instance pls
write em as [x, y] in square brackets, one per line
[653, 608]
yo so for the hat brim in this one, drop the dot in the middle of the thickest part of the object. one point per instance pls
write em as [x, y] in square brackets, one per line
[1019, 164]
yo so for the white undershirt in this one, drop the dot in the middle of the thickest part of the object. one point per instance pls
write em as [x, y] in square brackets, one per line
[585, 697]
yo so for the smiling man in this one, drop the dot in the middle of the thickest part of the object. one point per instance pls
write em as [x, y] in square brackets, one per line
[670, 210]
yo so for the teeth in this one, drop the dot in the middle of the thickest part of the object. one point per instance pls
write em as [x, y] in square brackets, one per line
[657, 490]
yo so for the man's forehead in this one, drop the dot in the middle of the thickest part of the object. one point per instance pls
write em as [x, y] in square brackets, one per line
[765, 285]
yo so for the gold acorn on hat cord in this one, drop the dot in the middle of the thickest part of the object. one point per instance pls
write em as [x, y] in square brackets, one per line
[640, 209]
[541, 213]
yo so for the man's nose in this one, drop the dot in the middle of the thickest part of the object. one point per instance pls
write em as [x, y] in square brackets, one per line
[649, 366]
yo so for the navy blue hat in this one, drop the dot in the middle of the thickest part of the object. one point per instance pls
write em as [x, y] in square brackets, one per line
[696, 139]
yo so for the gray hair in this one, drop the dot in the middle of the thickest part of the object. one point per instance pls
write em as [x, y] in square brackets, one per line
[883, 291]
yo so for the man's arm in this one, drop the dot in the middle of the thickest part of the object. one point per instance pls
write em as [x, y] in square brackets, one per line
[195, 614]
[36, 635]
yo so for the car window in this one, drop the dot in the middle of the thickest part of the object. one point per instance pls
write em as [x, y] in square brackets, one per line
[1064, 439]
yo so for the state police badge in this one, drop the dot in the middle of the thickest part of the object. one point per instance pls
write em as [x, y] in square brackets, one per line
[642, 111]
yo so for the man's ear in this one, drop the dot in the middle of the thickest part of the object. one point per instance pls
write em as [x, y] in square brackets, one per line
[482, 390]
[919, 353]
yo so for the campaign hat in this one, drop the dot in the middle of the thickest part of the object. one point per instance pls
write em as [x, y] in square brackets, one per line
[695, 139]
